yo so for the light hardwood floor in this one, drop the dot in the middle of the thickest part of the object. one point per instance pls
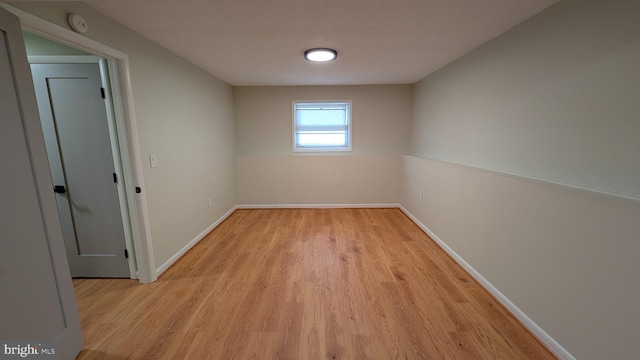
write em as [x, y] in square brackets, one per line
[304, 284]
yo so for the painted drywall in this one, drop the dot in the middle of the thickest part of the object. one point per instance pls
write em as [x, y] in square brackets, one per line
[269, 172]
[37, 45]
[322, 179]
[380, 117]
[184, 117]
[565, 257]
[555, 98]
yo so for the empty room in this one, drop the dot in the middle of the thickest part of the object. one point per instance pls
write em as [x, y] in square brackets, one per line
[388, 179]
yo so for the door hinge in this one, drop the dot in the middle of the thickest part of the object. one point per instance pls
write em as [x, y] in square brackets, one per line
[126, 253]
[115, 178]
[103, 93]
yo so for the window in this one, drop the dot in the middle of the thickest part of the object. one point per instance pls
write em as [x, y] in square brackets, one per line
[322, 126]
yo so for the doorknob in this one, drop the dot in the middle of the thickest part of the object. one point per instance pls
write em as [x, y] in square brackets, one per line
[59, 189]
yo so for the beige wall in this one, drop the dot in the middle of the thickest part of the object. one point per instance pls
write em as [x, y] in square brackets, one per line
[565, 257]
[184, 116]
[270, 173]
[321, 179]
[380, 117]
[555, 98]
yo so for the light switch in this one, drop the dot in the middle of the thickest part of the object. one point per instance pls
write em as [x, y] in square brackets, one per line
[154, 160]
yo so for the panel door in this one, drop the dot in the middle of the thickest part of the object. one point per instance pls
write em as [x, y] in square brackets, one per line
[76, 131]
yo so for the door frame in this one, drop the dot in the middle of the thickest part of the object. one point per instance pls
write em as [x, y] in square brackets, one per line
[126, 128]
[121, 184]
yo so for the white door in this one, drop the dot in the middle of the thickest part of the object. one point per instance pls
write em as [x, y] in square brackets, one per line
[76, 131]
[37, 304]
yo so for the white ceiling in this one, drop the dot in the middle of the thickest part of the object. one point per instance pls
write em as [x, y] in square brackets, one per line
[261, 42]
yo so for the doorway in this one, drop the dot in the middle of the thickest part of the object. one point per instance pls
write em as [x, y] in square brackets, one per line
[143, 258]
[73, 103]
[59, 41]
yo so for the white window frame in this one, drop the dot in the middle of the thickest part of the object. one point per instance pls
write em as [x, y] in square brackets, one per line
[349, 130]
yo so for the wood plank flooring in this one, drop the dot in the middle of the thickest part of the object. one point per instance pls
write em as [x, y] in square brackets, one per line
[304, 284]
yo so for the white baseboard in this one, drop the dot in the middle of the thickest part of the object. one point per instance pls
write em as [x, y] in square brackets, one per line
[191, 243]
[318, 206]
[536, 330]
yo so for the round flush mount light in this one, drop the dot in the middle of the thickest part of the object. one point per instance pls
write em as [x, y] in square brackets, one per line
[320, 55]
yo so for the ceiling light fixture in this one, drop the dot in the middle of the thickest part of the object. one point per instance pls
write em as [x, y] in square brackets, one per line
[320, 55]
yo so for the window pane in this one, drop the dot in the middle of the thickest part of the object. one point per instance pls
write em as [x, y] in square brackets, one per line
[321, 118]
[321, 139]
